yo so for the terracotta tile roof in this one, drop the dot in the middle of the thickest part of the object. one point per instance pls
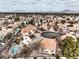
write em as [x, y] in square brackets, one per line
[48, 43]
[27, 29]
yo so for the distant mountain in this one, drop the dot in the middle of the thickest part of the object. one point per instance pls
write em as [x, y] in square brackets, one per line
[69, 11]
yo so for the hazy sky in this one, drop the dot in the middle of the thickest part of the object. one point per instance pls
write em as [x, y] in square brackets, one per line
[38, 5]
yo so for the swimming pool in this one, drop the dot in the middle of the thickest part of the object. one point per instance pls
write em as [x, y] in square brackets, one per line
[49, 34]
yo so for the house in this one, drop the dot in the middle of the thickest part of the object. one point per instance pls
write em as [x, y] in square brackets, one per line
[26, 40]
[30, 36]
[71, 27]
[27, 29]
[51, 29]
[4, 32]
[26, 33]
[63, 27]
[44, 25]
[48, 46]
[1, 23]
[76, 26]
[68, 35]
[2, 44]
[15, 49]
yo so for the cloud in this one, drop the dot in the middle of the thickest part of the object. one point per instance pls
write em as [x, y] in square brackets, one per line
[38, 5]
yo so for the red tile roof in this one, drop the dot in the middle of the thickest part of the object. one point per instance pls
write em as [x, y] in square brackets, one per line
[48, 43]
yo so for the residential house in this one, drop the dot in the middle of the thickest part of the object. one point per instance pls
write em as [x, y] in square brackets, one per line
[4, 32]
[68, 35]
[48, 46]
[25, 33]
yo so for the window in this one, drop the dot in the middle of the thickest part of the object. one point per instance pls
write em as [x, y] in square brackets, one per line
[22, 43]
[32, 36]
[1, 37]
[46, 51]
[44, 58]
[35, 57]
[53, 54]
[25, 38]
[52, 50]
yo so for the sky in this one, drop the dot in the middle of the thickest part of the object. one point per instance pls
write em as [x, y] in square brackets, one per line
[38, 5]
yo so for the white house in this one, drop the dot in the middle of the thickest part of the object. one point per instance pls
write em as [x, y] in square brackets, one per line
[68, 35]
[26, 40]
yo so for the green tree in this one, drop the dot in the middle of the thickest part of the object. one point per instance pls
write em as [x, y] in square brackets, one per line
[63, 21]
[69, 47]
[17, 18]
[9, 17]
[23, 24]
[31, 22]
[78, 41]
[71, 22]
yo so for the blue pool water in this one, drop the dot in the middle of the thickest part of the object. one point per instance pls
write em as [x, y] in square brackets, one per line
[15, 49]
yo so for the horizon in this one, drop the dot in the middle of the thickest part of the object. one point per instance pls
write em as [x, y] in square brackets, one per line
[38, 5]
